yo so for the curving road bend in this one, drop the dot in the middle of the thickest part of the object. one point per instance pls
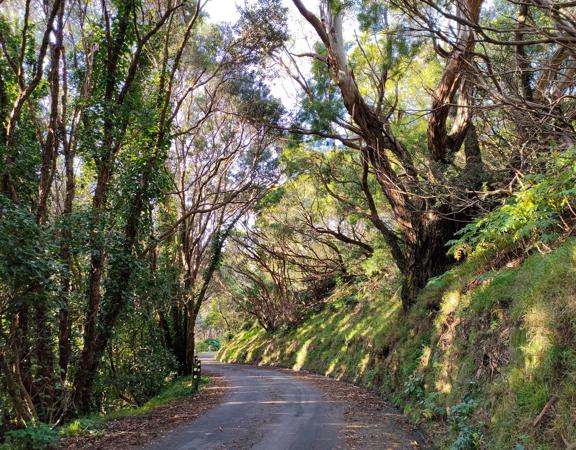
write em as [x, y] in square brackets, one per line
[264, 409]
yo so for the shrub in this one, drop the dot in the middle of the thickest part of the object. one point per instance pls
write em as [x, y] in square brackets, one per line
[208, 345]
[136, 376]
[468, 437]
[82, 426]
[537, 213]
[213, 344]
[35, 437]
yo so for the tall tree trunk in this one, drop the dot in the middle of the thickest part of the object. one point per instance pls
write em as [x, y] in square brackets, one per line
[179, 314]
[45, 391]
[85, 374]
[23, 349]
[11, 117]
[427, 256]
[218, 241]
[98, 332]
[117, 295]
[193, 310]
[64, 346]
[99, 328]
[17, 393]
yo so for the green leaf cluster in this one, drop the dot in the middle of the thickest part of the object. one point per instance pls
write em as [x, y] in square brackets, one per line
[532, 214]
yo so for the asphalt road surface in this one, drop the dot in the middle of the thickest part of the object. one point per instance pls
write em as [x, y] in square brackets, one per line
[265, 410]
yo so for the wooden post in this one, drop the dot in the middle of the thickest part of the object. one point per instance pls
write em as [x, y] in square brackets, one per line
[196, 373]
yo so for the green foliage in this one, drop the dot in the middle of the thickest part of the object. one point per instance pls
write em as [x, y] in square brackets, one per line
[254, 101]
[209, 345]
[350, 301]
[38, 436]
[27, 253]
[272, 198]
[107, 255]
[180, 388]
[213, 344]
[413, 386]
[82, 426]
[263, 27]
[459, 418]
[146, 158]
[137, 376]
[138, 366]
[531, 214]
[431, 407]
[380, 261]
[325, 106]
[371, 15]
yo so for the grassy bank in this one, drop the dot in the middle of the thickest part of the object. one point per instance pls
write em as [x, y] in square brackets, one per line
[486, 357]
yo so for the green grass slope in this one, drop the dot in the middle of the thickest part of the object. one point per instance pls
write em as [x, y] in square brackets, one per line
[486, 359]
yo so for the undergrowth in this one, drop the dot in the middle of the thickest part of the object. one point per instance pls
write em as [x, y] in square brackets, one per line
[182, 387]
[41, 436]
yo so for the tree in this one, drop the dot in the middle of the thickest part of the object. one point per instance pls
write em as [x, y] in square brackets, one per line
[425, 213]
[115, 119]
[97, 102]
[220, 171]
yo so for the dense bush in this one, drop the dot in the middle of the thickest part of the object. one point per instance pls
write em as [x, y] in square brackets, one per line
[34, 437]
[136, 376]
[209, 345]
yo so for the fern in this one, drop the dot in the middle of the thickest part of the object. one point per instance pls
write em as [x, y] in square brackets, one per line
[536, 213]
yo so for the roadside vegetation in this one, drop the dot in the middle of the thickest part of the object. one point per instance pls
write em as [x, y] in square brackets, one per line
[41, 436]
[484, 360]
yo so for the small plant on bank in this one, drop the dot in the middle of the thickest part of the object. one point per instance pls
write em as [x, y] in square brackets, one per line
[537, 215]
[459, 417]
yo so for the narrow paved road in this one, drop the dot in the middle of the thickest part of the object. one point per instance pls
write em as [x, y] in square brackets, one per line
[264, 410]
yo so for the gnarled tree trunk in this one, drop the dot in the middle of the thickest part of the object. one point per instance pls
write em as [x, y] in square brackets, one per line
[424, 228]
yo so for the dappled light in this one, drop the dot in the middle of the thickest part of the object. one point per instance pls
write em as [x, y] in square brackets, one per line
[508, 346]
[205, 202]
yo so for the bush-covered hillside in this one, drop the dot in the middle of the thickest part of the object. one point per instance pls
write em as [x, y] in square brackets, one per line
[486, 358]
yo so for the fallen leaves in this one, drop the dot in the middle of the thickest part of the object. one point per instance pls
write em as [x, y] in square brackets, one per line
[133, 432]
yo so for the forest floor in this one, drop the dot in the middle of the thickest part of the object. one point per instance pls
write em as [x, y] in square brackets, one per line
[266, 408]
[133, 432]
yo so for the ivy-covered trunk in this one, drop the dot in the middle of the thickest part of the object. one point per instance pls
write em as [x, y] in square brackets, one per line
[193, 311]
